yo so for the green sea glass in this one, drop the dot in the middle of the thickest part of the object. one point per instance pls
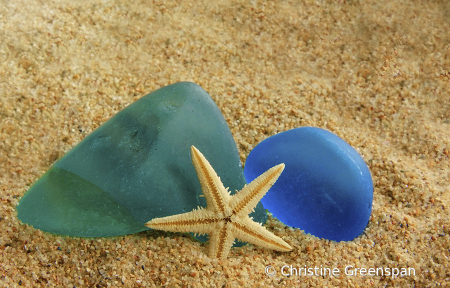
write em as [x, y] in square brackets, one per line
[136, 167]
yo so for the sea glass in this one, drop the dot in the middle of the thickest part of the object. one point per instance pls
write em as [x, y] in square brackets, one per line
[325, 189]
[136, 167]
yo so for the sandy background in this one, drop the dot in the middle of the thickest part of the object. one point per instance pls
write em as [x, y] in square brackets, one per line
[376, 73]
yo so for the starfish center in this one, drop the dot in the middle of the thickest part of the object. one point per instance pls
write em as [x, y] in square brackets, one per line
[227, 219]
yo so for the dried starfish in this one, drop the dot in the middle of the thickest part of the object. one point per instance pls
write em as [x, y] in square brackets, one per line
[225, 217]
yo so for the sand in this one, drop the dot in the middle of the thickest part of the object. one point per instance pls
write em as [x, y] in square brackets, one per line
[376, 73]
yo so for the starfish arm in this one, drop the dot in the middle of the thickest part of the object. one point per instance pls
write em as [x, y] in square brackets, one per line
[215, 193]
[249, 231]
[244, 201]
[197, 221]
[221, 240]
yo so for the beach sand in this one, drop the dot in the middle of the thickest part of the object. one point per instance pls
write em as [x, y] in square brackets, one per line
[376, 73]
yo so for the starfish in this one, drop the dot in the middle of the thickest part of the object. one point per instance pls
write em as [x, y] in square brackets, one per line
[225, 217]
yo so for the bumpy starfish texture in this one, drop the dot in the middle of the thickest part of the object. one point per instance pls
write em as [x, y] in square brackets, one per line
[225, 217]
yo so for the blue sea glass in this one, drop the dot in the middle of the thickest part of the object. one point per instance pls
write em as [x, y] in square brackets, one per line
[325, 189]
[135, 167]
